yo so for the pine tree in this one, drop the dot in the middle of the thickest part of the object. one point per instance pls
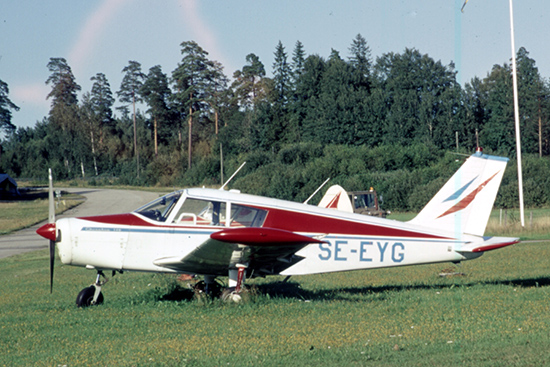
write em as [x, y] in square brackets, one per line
[532, 98]
[157, 94]
[129, 93]
[63, 112]
[64, 120]
[6, 107]
[281, 75]
[102, 99]
[196, 80]
[248, 85]
[298, 60]
[360, 57]
[412, 108]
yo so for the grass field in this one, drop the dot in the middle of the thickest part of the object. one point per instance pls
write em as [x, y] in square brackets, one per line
[496, 314]
[18, 214]
[507, 223]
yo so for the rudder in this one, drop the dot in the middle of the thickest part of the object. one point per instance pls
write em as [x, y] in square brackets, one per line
[464, 203]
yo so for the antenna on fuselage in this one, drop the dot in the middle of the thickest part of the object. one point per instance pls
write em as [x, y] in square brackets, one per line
[316, 191]
[233, 175]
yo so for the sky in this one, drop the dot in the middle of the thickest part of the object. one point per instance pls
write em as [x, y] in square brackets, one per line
[101, 36]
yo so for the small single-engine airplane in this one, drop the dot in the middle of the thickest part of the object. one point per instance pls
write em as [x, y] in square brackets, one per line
[215, 233]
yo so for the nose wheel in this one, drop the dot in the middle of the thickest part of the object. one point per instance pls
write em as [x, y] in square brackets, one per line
[92, 295]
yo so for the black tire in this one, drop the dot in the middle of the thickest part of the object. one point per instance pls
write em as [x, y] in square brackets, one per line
[85, 297]
[215, 289]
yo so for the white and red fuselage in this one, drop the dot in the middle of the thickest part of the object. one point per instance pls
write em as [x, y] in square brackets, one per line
[212, 232]
[350, 241]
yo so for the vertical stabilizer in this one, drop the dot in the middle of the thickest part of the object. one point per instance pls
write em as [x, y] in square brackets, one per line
[336, 198]
[464, 203]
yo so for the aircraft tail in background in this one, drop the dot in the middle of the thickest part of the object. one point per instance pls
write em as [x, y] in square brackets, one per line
[336, 198]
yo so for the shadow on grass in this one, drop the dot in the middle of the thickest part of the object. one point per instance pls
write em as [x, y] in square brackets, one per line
[28, 195]
[293, 290]
[31, 194]
[178, 294]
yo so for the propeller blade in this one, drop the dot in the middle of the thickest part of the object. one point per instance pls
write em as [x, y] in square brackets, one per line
[51, 219]
[52, 260]
[51, 214]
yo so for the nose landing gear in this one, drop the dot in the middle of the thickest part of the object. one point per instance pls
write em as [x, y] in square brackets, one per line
[92, 295]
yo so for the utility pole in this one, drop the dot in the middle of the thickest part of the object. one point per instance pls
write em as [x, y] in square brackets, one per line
[516, 117]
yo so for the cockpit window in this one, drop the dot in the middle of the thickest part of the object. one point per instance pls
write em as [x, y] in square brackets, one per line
[160, 209]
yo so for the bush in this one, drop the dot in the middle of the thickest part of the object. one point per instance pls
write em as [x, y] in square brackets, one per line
[300, 153]
[204, 172]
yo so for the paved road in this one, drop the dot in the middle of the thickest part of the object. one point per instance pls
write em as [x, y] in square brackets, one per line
[98, 202]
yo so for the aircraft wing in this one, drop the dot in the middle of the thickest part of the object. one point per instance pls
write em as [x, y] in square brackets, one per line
[266, 250]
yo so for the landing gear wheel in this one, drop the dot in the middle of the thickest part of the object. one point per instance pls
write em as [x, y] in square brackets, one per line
[231, 295]
[213, 289]
[86, 296]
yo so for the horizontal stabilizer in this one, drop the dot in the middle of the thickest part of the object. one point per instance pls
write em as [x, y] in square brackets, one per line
[489, 243]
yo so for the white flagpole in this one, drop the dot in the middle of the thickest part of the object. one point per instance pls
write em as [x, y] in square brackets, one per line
[516, 117]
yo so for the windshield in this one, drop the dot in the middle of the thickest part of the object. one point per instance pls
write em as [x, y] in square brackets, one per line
[160, 209]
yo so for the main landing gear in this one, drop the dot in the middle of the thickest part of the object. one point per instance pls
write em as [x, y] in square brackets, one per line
[235, 292]
[92, 295]
[209, 287]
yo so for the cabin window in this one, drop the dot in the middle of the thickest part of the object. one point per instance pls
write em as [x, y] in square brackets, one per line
[245, 216]
[213, 213]
[161, 208]
[201, 212]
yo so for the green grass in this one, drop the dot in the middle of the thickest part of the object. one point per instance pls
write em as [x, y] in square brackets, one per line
[497, 314]
[507, 223]
[18, 214]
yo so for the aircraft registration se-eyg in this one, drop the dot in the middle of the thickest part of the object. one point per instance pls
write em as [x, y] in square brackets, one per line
[213, 233]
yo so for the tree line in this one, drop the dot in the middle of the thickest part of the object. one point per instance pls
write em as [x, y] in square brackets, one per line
[180, 128]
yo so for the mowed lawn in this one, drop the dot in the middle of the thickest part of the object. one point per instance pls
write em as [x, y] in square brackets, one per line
[494, 312]
[18, 214]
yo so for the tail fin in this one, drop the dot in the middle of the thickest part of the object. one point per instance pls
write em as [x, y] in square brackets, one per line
[464, 203]
[336, 198]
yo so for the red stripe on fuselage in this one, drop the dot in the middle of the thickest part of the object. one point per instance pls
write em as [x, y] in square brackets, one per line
[311, 223]
[285, 220]
[127, 219]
